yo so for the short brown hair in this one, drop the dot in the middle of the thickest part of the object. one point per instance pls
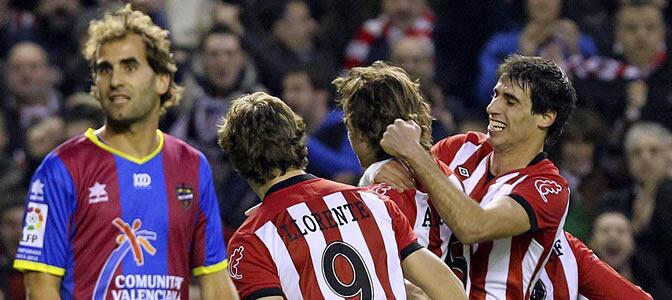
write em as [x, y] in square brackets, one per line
[373, 97]
[263, 137]
[126, 21]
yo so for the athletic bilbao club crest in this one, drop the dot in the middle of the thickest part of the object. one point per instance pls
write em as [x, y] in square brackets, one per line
[185, 194]
[546, 187]
[234, 261]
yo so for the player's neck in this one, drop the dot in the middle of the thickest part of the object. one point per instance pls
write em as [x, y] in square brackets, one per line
[137, 140]
[261, 189]
[506, 160]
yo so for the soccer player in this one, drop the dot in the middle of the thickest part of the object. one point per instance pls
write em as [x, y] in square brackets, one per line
[394, 95]
[520, 198]
[312, 238]
[124, 211]
[574, 272]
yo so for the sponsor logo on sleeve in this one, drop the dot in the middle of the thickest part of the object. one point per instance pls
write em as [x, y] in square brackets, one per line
[234, 262]
[37, 191]
[97, 193]
[546, 186]
[35, 224]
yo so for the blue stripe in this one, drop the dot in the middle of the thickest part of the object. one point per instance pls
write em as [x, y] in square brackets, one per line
[147, 204]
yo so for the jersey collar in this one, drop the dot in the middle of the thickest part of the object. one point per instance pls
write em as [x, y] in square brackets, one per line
[289, 182]
[91, 135]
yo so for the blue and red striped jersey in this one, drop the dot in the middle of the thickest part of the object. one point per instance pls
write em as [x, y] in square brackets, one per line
[119, 227]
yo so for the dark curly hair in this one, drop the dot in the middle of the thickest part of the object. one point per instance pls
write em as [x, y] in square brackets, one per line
[263, 137]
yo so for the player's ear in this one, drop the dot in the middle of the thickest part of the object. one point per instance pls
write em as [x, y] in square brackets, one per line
[162, 83]
[547, 119]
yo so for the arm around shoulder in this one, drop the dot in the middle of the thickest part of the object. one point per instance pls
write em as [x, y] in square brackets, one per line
[41, 285]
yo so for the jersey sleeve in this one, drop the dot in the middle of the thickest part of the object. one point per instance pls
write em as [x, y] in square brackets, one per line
[252, 269]
[597, 280]
[407, 241]
[208, 254]
[50, 203]
[545, 198]
[446, 149]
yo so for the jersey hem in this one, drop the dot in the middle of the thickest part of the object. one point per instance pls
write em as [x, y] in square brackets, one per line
[204, 270]
[24, 265]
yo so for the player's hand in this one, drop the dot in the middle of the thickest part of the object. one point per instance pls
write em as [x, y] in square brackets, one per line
[396, 175]
[401, 139]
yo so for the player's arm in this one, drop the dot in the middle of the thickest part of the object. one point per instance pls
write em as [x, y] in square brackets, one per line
[427, 271]
[217, 285]
[597, 280]
[40, 285]
[503, 217]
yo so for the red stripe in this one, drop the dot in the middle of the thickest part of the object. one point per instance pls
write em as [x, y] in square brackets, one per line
[479, 268]
[556, 274]
[181, 166]
[299, 252]
[374, 241]
[92, 223]
[435, 232]
[514, 280]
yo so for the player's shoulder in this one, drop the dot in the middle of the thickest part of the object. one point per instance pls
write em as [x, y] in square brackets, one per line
[178, 147]
[453, 143]
[543, 171]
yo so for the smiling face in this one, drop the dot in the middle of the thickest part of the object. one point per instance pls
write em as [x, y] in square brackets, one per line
[511, 122]
[126, 86]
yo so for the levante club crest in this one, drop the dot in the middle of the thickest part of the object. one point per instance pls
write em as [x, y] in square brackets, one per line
[185, 194]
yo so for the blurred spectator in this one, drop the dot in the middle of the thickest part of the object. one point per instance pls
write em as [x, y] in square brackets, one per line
[638, 85]
[79, 118]
[306, 90]
[54, 30]
[11, 174]
[374, 38]
[613, 242]
[648, 201]
[41, 138]
[31, 94]
[221, 73]
[546, 33]
[292, 42]
[416, 55]
[11, 221]
[580, 164]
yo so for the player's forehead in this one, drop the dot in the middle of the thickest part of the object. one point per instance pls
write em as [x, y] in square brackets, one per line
[130, 46]
[516, 88]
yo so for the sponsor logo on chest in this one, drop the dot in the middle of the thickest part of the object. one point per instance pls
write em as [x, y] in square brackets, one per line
[142, 181]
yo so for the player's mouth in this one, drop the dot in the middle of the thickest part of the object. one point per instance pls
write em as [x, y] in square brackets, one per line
[496, 126]
[119, 98]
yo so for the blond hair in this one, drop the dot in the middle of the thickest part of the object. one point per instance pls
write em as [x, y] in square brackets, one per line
[126, 21]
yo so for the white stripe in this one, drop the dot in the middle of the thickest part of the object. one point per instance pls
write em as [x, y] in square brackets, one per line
[467, 251]
[316, 245]
[498, 269]
[501, 188]
[569, 267]
[351, 233]
[357, 50]
[466, 151]
[471, 182]
[530, 262]
[421, 206]
[289, 277]
[384, 222]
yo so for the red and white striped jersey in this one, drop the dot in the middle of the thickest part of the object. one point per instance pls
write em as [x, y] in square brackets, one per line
[416, 205]
[312, 238]
[508, 268]
[574, 272]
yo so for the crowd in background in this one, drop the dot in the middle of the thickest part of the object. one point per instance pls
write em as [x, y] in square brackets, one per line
[616, 151]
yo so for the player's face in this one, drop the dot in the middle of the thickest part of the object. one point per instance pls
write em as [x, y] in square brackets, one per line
[359, 144]
[511, 121]
[128, 89]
